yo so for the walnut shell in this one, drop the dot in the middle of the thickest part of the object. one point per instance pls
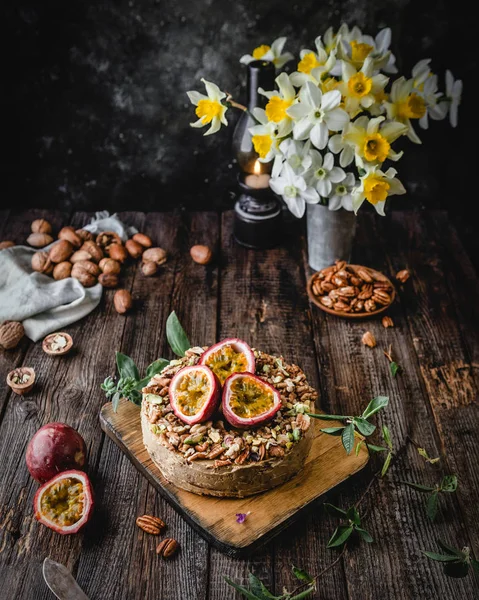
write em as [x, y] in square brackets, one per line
[84, 234]
[93, 250]
[134, 249]
[69, 234]
[110, 266]
[149, 268]
[106, 238]
[60, 251]
[62, 270]
[41, 226]
[83, 275]
[80, 255]
[11, 332]
[39, 240]
[108, 280]
[157, 255]
[142, 239]
[41, 262]
[6, 244]
[201, 254]
[117, 252]
[122, 301]
[90, 266]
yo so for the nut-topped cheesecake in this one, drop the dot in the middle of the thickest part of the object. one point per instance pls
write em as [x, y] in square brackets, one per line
[228, 420]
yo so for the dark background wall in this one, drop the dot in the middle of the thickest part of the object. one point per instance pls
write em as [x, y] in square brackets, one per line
[97, 116]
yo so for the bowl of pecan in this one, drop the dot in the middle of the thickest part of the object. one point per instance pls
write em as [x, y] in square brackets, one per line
[351, 291]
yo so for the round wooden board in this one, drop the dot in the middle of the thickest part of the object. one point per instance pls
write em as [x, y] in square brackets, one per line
[346, 315]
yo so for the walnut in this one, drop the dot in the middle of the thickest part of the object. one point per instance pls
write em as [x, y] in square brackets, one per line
[83, 274]
[62, 270]
[142, 239]
[108, 280]
[110, 266]
[84, 234]
[60, 251]
[134, 249]
[157, 255]
[201, 254]
[149, 268]
[93, 250]
[11, 332]
[117, 252]
[39, 240]
[80, 255]
[41, 226]
[122, 301]
[69, 234]
[106, 238]
[41, 262]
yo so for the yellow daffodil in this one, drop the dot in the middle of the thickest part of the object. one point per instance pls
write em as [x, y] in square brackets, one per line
[406, 104]
[278, 104]
[209, 109]
[375, 187]
[265, 138]
[372, 138]
[273, 53]
[359, 88]
[354, 47]
[314, 65]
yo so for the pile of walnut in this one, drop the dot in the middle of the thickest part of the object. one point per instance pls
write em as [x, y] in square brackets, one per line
[351, 288]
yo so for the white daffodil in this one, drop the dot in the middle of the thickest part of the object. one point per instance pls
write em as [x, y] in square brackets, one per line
[338, 145]
[209, 108]
[265, 138]
[361, 89]
[316, 114]
[405, 104]
[372, 138]
[355, 47]
[273, 53]
[279, 101]
[375, 187]
[296, 154]
[453, 93]
[294, 190]
[313, 65]
[323, 173]
[341, 195]
[435, 107]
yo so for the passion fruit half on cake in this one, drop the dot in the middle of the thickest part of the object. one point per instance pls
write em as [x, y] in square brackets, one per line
[229, 356]
[194, 394]
[248, 400]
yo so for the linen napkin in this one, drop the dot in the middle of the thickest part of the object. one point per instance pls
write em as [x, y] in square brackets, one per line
[42, 304]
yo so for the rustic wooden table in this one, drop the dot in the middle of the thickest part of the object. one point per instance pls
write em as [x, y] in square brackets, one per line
[261, 297]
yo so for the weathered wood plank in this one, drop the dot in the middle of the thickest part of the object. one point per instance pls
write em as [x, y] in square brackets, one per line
[191, 290]
[396, 518]
[67, 391]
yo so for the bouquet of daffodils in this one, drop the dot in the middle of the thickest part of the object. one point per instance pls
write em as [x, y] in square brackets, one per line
[331, 125]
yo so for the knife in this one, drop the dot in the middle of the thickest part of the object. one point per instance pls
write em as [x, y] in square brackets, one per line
[61, 581]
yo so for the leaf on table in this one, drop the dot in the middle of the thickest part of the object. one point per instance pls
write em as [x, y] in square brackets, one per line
[387, 437]
[353, 515]
[376, 404]
[176, 336]
[364, 426]
[332, 430]
[423, 452]
[239, 588]
[348, 438]
[449, 483]
[334, 511]
[259, 589]
[365, 535]
[440, 557]
[126, 366]
[374, 448]
[386, 464]
[450, 549]
[302, 575]
[322, 417]
[432, 503]
[395, 368]
[419, 487]
[340, 535]
[156, 367]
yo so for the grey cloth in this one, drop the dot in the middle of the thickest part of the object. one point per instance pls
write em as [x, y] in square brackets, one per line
[42, 304]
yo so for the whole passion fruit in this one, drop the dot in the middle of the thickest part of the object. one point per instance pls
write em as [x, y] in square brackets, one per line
[194, 394]
[229, 356]
[65, 502]
[54, 448]
[248, 400]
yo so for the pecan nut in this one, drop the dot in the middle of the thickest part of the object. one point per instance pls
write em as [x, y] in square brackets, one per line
[167, 547]
[387, 322]
[368, 339]
[151, 524]
[403, 275]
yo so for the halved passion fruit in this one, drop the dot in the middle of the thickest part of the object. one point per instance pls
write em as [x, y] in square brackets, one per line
[65, 502]
[248, 400]
[229, 356]
[194, 394]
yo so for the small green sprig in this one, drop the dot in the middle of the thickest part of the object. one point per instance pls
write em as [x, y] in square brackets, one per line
[389, 449]
[258, 591]
[351, 424]
[456, 562]
[448, 484]
[351, 522]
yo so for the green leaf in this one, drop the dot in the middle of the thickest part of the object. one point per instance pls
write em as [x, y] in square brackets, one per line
[353, 515]
[239, 588]
[432, 503]
[333, 430]
[302, 575]
[176, 335]
[259, 589]
[387, 437]
[439, 557]
[449, 483]
[115, 401]
[348, 438]
[339, 536]
[364, 426]
[304, 594]
[422, 452]
[322, 417]
[156, 367]
[126, 366]
[334, 511]
[450, 549]
[419, 487]
[386, 464]
[365, 535]
[395, 368]
[375, 405]
[358, 447]
[376, 448]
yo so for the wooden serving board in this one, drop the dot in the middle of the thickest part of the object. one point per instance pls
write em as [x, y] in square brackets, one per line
[215, 518]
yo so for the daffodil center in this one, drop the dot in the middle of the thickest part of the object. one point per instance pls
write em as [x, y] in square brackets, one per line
[359, 51]
[260, 51]
[341, 190]
[207, 110]
[319, 115]
[413, 107]
[290, 191]
[276, 109]
[262, 144]
[295, 161]
[321, 173]
[376, 189]
[359, 85]
[376, 147]
[308, 63]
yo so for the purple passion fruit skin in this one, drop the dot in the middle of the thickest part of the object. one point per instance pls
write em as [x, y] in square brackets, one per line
[248, 400]
[194, 394]
[227, 357]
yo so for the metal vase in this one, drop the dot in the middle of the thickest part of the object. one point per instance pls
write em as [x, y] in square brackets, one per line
[330, 235]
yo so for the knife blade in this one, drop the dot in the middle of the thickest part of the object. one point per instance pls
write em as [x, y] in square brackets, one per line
[61, 581]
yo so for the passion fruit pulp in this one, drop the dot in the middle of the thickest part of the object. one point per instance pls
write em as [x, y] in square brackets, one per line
[194, 394]
[229, 356]
[65, 503]
[248, 400]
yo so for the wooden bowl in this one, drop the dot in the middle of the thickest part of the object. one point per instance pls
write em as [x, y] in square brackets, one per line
[49, 340]
[21, 388]
[352, 315]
